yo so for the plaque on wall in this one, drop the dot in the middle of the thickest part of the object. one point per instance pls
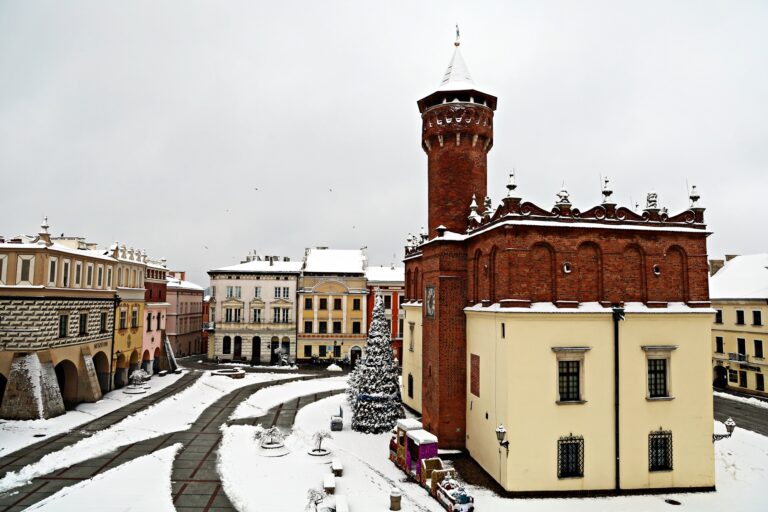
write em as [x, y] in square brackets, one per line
[429, 299]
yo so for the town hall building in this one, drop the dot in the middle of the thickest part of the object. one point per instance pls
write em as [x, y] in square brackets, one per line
[566, 350]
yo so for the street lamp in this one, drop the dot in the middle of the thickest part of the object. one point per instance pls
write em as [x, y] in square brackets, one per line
[730, 426]
[501, 433]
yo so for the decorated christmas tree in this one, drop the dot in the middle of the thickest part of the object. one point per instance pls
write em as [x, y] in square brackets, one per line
[374, 388]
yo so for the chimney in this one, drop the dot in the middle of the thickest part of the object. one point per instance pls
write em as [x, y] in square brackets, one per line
[715, 265]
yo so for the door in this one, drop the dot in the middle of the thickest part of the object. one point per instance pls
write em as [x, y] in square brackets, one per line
[275, 350]
[742, 378]
[238, 352]
[256, 349]
[742, 346]
[355, 354]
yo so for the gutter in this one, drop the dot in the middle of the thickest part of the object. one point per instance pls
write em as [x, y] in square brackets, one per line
[618, 316]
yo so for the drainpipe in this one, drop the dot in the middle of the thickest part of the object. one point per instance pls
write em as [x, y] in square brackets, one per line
[618, 316]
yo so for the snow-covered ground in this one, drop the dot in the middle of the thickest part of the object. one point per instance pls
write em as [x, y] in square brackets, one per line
[254, 482]
[743, 399]
[143, 484]
[263, 400]
[15, 435]
[173, 414]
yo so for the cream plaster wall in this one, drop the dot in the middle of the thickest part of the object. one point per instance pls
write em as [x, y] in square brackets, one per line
[412, 358]
[518, 388]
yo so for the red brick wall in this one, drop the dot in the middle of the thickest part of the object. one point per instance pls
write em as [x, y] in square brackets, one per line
[606, 265]
[456, 138]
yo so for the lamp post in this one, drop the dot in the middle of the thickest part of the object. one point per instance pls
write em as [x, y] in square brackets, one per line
[501, 433]
[730, 426]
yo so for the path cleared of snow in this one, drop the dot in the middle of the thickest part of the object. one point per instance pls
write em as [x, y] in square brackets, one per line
[743, 399]
[263, 400]
[173, 414]
[143, 484]
[16, 434]
[741, 472]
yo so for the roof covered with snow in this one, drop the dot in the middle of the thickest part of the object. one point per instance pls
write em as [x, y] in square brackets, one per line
[422, 436]
[456, 77]
[262, 266]
[743, 277]
[183, 285]
[385, 274]
[335, 261]
[409, 424]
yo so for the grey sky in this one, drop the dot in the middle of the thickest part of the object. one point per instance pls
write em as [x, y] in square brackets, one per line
[152, 122]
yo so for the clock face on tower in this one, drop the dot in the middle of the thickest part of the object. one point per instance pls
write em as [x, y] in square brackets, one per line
[429, 299]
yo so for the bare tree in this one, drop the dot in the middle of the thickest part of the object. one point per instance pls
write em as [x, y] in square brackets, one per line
[319, 436]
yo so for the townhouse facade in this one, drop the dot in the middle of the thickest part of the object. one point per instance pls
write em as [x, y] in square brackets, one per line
[389, 281]
[155, 311]
[739, 292]
[184, 317]
[252, 310]
[57, 313]
[333, 305]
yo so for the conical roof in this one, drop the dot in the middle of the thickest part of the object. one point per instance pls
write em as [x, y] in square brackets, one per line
[456, 77]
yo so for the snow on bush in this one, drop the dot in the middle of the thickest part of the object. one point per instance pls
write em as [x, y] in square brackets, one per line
[334, 368]
[374, 390]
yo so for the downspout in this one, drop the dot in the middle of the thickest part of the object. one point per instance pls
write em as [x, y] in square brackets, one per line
[618, 316]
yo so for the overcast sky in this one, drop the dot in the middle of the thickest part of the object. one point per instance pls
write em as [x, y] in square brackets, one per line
[202, 130]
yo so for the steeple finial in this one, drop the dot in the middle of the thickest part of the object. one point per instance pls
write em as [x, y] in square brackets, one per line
[606, 191]
[44, 226]
[511, 184]
[457, 42]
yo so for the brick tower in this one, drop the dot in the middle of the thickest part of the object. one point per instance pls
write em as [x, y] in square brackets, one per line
[456, 135]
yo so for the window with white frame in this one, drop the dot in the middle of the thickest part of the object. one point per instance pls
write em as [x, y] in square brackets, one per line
[257, 292]
[233, 292]
[134, 317]
[119, 276]
[278, 292]
[25, 269]
[78, 274]
[285, 292]
[658, 366]
[123, 318]
[257, 316]
[109, 278]
[89, 275]
[53, 263]
[65, 273]
[570, 374]
[232, 315]
[411, 329]
[3, 269]
[100, 276]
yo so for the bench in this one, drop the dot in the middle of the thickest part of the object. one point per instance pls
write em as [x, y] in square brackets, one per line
[329, 483]
[336, 467]
[342, 505]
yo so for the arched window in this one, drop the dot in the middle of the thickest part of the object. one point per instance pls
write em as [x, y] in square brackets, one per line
[227, 345]
[410, 386]
[476, 276]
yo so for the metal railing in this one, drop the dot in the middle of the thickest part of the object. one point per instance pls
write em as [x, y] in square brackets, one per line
[735, 356]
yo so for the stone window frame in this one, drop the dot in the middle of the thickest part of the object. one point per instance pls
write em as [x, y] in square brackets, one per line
[89, 275]
[66, 266]
[19, 259]
[659, 352]
[109, 277]
[3, 269]
[571, 353]
[411, 330]
[78, 281]
[53, 268]
[100, 276]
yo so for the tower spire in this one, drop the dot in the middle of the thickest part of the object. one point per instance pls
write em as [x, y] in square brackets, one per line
[458, 37]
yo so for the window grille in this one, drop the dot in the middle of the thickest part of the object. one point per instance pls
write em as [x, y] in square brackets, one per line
[660, 450]
[570, 456]
[657, 378]
[569, 380]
